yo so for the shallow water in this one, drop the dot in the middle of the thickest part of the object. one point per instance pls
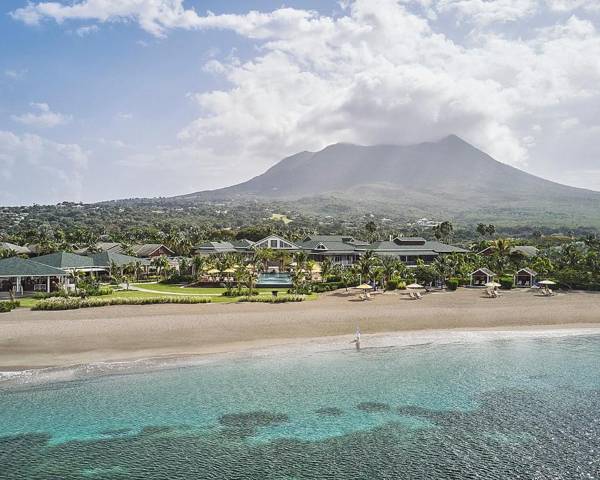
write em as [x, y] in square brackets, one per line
[521, 408]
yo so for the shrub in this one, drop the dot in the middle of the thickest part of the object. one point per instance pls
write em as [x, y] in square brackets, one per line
[73, 303]
[506, 282]
[265, 299]
[401, 285]
[238, 293]
[326, 287]
[7, 306]
[391, 285]
[452, 284]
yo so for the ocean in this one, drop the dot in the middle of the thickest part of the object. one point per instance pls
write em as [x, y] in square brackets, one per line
[510, 408]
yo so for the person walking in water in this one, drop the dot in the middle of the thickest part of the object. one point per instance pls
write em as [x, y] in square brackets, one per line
[356, 340]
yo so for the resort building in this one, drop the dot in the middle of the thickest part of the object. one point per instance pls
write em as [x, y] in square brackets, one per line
[527, 251]
[525, 278]
[69, 262]
[26, 276]
[145, 250]
[342, 250]
[482, 276]
[412, 249]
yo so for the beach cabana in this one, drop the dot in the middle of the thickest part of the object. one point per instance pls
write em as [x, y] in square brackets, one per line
[25, 276]
[525, 278]
[482, 276]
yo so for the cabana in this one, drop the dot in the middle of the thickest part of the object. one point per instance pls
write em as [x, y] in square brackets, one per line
[482, 276]
[25, 276]
[525, 278]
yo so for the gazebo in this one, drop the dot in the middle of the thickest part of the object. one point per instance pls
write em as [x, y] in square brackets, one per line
[482, 276]
[525, 278]
[29, 276]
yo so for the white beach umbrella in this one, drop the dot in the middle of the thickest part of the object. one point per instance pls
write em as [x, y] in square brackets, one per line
[492, 284]
[364, 286]
[414, 285]
[546, 282]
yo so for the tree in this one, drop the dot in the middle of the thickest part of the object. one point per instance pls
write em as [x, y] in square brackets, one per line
[365, 265]
[443, 231]
[326, 268]
[162, 265]
[371, 228]
[199, 265]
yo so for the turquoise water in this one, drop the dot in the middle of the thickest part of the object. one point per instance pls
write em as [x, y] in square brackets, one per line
[527, 408]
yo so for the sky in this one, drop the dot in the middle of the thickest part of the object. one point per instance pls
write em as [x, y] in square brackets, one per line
[107, 99]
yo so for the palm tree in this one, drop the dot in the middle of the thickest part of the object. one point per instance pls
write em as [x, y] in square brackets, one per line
[502, 246]
[326, 268]
[365, 265]
[200, 264]
[389, 267]
[161, 263]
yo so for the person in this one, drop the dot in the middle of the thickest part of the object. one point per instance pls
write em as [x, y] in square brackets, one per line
[356, 340]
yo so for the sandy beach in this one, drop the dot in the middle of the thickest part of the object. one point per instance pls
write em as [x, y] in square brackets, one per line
[58, 339]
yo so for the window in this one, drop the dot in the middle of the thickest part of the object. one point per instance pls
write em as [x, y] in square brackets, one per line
[320, 246]
[273, 243]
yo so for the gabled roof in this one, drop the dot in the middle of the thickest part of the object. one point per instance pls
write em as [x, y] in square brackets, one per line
[147, 249]
[528, 271]
[65, 260]
[424, 248]
[485, 270]
[292, 246]
[217, 247]
[106, 259]
[19, 267]
[525, 250]
[14, 248]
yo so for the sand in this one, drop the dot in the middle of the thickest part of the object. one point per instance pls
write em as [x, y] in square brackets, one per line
[31, 340]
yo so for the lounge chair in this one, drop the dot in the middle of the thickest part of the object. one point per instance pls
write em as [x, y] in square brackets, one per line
[368, 296]
[412, 295]
[419, 296]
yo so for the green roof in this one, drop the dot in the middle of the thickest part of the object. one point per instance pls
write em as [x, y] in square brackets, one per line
[19, 267]
[65, 260]
[106, 259]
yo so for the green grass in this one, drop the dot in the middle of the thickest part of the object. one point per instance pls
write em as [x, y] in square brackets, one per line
[30, 302]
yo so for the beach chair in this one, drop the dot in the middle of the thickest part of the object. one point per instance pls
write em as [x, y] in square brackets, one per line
[419, 296]
[368, 296]
[490, 293]
[412, 295]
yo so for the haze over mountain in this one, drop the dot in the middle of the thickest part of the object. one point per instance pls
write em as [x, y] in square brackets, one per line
[449, 177]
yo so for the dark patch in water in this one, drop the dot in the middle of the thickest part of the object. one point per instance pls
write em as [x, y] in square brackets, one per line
[156, 430]
[252, 419]
[329, 412]
[116, 432]
[557, 436]
[373, 407]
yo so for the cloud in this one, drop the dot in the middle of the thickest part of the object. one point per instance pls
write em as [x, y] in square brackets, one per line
[36, 167]
[42, 117]
[15, 74]
[124, 116]
[86, 30]
[484, 12]
[570, 5]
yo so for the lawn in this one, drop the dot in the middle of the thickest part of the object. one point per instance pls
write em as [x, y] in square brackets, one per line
[30, 302]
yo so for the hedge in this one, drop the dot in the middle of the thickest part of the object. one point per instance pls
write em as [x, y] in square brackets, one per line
[452, 284]
[74, 303]
[326, 287]
[7, 306]
[507, 282]
[286, 299]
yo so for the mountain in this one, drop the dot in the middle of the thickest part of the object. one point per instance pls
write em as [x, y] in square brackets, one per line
[449, 177]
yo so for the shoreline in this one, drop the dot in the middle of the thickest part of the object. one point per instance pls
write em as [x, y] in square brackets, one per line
[290, 348]
[31, 341]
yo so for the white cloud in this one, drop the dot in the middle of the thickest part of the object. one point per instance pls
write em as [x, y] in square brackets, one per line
[15, 74]
[124, 116]
[86, 30]
[570, 5]
[35, 167]
[42, 117]
[485, 12]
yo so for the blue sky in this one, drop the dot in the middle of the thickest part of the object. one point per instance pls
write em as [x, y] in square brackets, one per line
[115, 98]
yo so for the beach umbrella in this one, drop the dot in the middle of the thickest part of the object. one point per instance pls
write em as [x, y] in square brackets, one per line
[229, 270]
[213, 271]
[414, 285]
[364, 286]
[546, 282]
[492, 284]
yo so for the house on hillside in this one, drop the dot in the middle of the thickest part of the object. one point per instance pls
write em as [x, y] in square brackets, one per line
[15, 249]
